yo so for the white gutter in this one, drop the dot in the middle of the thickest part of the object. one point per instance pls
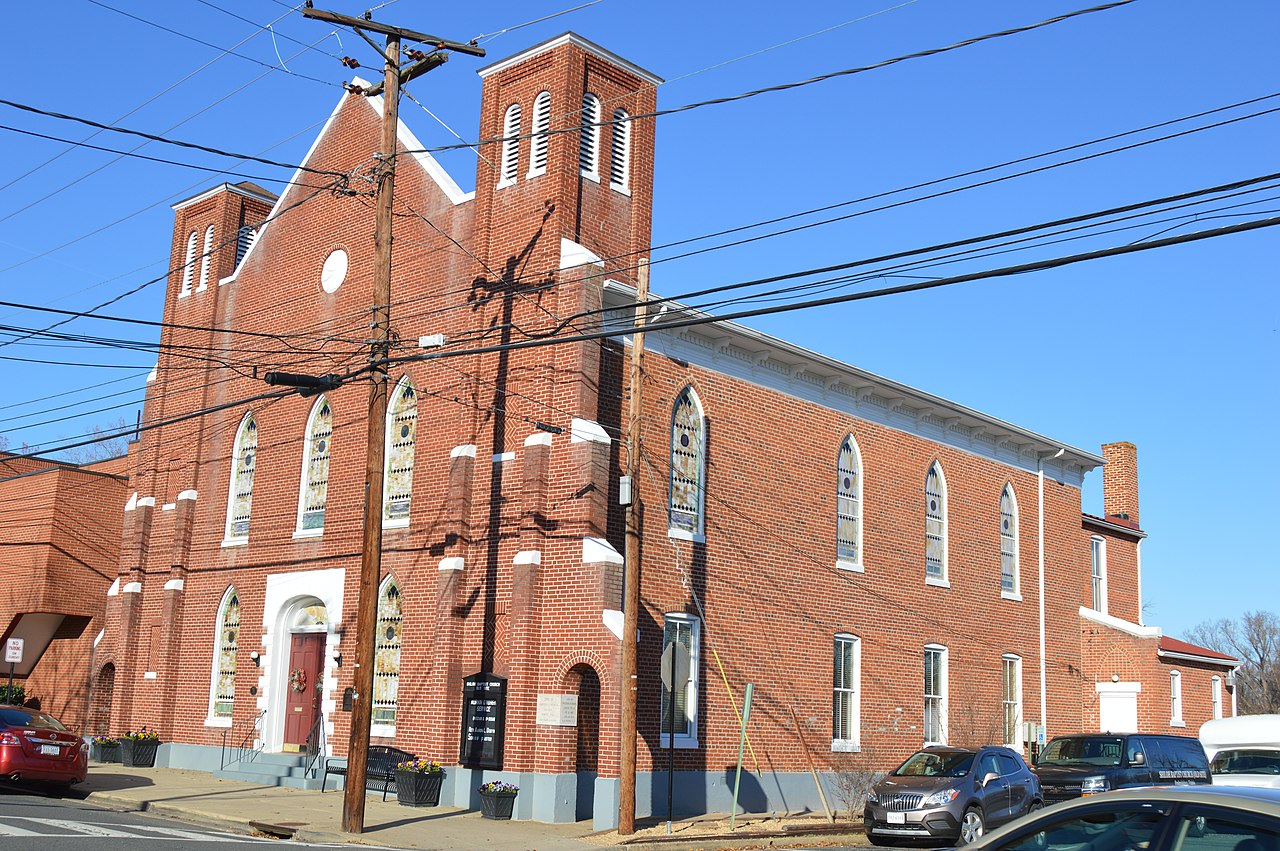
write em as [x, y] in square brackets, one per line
[1044, 674]
[1191, 657]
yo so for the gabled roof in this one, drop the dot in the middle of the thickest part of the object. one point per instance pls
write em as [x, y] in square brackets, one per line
[1176, 649]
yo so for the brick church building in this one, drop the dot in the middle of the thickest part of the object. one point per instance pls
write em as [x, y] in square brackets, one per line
[900, 570]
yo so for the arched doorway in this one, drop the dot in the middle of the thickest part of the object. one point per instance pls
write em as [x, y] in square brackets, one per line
[300, 684]
[587, 758]
[104, 687]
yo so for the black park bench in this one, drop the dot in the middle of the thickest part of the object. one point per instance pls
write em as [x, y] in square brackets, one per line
[380, 768]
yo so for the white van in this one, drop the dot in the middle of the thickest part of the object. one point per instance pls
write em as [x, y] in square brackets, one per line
[1243, 751]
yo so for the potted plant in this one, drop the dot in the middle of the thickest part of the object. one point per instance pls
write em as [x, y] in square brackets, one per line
[497, 799]
[138, 748]
[418, 783]
[104, 749]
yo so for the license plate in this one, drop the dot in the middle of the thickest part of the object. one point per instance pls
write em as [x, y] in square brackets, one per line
[896, 818]
[50, 750]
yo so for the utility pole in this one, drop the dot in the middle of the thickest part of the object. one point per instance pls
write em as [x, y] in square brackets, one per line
[353, 798]
[631, 564]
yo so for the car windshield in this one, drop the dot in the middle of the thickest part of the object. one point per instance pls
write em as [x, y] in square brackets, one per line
[1098, 750]
[1246, 761]
[927, 764]
[11, 717]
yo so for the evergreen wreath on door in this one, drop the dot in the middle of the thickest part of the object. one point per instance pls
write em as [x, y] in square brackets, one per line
[298, 680]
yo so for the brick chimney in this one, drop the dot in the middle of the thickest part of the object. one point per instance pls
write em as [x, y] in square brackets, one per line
[1120, 480]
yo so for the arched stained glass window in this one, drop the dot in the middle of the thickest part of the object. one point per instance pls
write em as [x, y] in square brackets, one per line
[315, 468]
[226, 643]
[688, 468]
[386, 658]
[1008, 541]
[589, 141]
[510, 146]
[935, 526]
[402, 430]
[849, 503]
[206, 258]
[541, 142]
[188, 264]
[620, 155]
[244, 458]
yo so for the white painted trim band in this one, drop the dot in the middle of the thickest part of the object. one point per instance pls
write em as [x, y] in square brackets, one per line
[132, 588]
[452, 563]
[504, 456]
[146, 502]
[169, 506]
[599, 551]
[538, 438]
[187, 494]
[115, 588]
[132, 503]
[528, 557]
[467, 449]
[583, 431]
[1119, 623]
[175, 585]
[613, 620]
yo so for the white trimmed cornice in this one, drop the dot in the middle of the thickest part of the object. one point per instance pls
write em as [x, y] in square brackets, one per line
[578, 41]
[1120, 624]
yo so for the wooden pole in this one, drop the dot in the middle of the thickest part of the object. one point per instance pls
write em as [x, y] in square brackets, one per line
[812, 768]
[631, 579]
[371, 554]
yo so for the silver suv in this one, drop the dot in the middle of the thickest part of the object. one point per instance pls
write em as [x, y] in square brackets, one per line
[951, 794]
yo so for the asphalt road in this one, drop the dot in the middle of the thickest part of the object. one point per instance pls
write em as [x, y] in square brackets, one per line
[38, 820]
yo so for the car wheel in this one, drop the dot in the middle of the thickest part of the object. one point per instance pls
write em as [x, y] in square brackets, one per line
[972, 826]
[1035, 807]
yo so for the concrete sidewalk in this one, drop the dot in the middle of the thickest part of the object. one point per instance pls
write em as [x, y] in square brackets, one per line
[201, 798]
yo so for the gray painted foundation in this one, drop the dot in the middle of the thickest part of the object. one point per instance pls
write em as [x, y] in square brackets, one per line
[554, 798]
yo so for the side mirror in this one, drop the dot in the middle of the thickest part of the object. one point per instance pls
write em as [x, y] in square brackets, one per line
[989, 777]
[1137, 758]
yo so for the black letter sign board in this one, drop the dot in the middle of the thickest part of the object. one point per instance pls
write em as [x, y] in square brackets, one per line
[484, 713]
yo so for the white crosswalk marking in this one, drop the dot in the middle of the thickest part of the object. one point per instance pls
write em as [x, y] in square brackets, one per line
[10, 830]
[90, 830]
[84, 828]
[176, 833]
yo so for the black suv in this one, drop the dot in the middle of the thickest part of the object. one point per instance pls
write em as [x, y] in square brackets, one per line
[1086, 763]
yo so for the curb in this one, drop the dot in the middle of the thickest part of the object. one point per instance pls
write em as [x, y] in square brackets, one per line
[125, 804]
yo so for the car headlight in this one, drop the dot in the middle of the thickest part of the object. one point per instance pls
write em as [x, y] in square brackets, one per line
[937, 799]
[1093, 785]
[872, 797]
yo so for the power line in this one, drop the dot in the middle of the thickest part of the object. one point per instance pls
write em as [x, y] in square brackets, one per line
[176, 142]
[793, 85]
[1035, 266]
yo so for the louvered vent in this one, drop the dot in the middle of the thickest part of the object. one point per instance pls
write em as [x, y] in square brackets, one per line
[510, 145]
[244, 240]
[589, 146]
[188, 263]
[541, 140]
[620, 158]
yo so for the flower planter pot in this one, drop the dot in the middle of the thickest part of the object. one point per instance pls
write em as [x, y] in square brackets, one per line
[418, 788]
[139, 753]
[497, 805]
[104, 753]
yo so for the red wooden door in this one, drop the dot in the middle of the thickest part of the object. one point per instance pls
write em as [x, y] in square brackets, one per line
[302, 690]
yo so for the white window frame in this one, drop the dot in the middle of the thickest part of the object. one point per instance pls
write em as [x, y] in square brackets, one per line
[188, 266]
[940, 651]
[843, 562]
[689, 738]
[589, 139]
[1098, 572]
[397, 522]
[620, 153]
[1008, 662]
[1215, 695]
[509, 165]
[540, 136]
[853, 689]
[229, 539]
[219, 628]
[698, 533]
[1175, 699]
[1014, 539]
[942, 581]
[308, 447]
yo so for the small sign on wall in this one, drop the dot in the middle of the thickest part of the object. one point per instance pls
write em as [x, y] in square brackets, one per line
[558, 710]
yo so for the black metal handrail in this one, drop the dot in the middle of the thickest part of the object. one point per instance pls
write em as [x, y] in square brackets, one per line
[245, 750]
[314, 747]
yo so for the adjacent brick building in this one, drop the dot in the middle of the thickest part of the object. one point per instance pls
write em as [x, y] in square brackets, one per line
[801, 516]
[60, 541]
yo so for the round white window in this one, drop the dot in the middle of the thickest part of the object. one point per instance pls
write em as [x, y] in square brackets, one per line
[334, 271]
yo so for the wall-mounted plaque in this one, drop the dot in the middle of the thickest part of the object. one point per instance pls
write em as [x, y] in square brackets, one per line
[558, 710]
[484, 714]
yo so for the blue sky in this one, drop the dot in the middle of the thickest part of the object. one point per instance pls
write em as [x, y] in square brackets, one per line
[1174, 350]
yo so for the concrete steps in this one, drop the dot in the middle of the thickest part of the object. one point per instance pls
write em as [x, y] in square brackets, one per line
[273, 769]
